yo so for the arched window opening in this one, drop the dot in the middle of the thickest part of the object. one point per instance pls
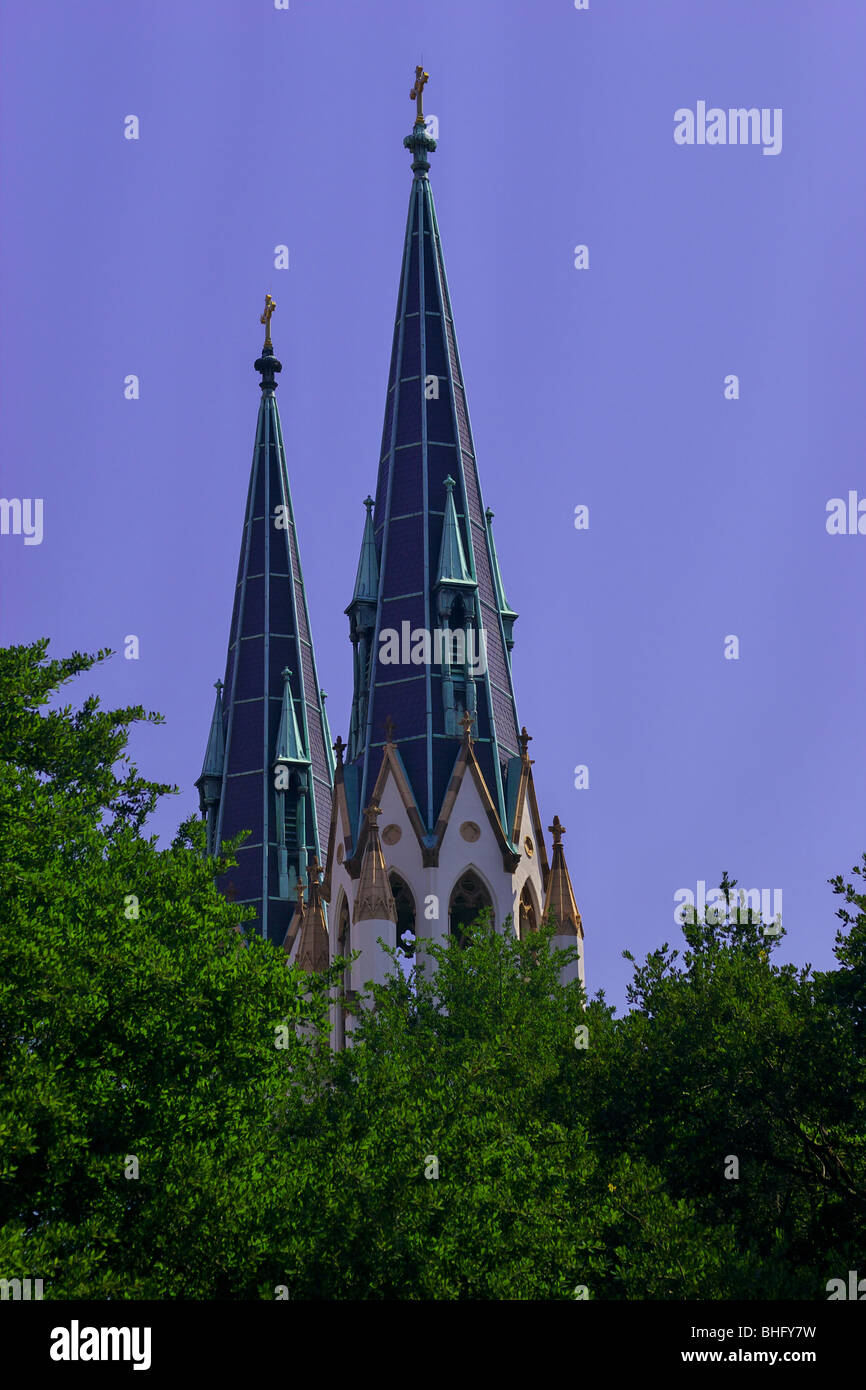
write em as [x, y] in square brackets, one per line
[404, 902]
[344, 946]
[528, 917]
[468, 899]
[458, 613]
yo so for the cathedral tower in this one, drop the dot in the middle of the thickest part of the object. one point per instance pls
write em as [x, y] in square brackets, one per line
[269, 766]
[434, 810]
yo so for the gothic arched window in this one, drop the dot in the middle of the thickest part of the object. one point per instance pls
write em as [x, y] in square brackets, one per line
[528, 916]
[404, 902]
[468, 899]
[344, 946]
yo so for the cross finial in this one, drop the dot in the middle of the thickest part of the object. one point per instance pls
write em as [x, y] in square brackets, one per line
[314, 869]
[270, 306]
[217, 685]
[369, 503]
[338, 749]
[557, 830]
[466, 724]
[525, 740]
[417, 92]
[373, 813]
[390, 729]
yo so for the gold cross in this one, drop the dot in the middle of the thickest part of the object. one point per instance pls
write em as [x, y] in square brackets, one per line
[270, 306]
[417, 92]
[557, 830]
[525, 740]
[338, 749]
[466, 724]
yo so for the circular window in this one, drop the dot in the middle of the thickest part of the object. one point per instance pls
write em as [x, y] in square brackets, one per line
[529, 847]
[340, 854]
[391, 834]
[470, 831]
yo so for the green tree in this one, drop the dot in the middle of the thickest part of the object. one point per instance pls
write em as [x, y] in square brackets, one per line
[135, 1021]
[453, 1162]
[724, 1056]
[491, 1134]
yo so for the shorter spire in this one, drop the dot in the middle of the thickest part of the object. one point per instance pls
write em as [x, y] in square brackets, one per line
[559, 898]
[374, 901]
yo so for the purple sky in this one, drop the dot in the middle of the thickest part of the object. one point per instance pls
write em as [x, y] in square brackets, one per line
[603, 387]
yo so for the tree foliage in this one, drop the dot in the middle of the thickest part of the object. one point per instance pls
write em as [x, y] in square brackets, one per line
[173, 1123]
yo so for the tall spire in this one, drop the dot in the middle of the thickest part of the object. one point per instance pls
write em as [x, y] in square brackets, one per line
[436, 567]
[276, 778]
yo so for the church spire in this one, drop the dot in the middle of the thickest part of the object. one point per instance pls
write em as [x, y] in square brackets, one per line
[367, 575]
[559, 898]
[276, 775]
[374, 901]
[436, 568]
[313, 951]
[210, 782]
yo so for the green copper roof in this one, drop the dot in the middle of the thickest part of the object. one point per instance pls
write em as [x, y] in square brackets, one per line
[452, 561]
[367, 578]
[289, 747]
[329, 746]
[216, 744]
[508, 614]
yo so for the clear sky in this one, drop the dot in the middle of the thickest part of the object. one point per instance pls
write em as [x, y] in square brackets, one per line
[602, 387]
